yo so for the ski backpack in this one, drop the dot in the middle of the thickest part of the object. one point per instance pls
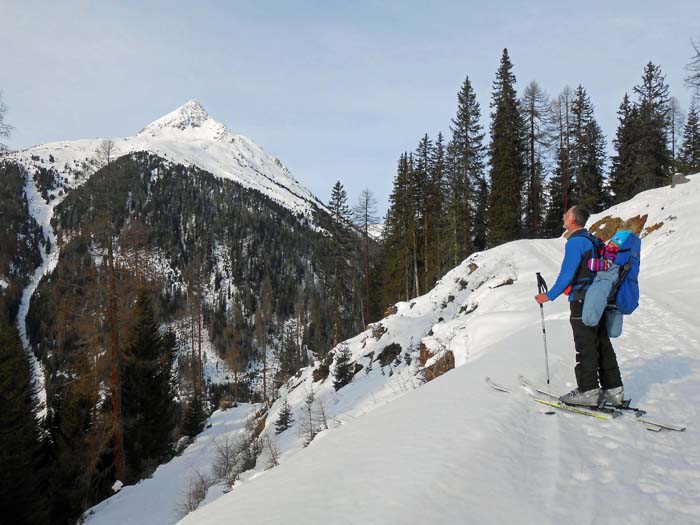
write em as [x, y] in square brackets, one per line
[625, 293]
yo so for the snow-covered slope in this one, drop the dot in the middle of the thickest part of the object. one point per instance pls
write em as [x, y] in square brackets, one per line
[161, 498]
[456, 451]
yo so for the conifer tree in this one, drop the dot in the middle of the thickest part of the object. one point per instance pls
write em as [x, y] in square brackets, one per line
[397, 244]
[148, 398]
[465, 168]
[263, 321]
[195, 416]
[365, 217]
[624, 178]
[342, 256]
[587, 154]
[285, 418]
[653, 163]
[536, 112]
[690, 152]
[22, 468]
[480, 230]
[343, 368]
[560, 185]
[435, 210]
[507, 155]
[422, 194]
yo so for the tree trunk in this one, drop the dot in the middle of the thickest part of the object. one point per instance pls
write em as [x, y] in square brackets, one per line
[115, 375]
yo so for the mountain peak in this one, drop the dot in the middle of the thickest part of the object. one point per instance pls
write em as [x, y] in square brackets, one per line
[190, 116]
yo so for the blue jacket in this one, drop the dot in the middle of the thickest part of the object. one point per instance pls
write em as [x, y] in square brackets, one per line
[579, 248]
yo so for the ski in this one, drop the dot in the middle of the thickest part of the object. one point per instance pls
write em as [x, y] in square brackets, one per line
[650, 424]
[496, 386]
[662, 426]
[579, 410]
[544, 398]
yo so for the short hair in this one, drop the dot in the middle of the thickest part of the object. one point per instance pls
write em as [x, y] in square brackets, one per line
[581, 215]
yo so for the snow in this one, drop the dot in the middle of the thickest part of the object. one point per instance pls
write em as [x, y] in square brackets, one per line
[215, 369]
[456, 451]
[42, 212]
[156, 499]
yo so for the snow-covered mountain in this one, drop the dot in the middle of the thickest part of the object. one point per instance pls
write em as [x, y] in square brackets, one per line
[188, 136]
[457, 451]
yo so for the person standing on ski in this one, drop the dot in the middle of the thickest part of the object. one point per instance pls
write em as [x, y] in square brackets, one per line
[595, 355]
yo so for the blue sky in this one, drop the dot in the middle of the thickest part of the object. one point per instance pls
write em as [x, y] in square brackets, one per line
[336, 90]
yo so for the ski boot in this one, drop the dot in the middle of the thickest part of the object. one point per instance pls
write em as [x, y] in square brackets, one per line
[614, 397]
[589, 398]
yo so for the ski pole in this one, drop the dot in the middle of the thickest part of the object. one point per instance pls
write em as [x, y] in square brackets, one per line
[542, 288]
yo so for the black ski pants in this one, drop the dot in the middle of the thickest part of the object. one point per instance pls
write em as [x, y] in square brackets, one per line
[595, 355]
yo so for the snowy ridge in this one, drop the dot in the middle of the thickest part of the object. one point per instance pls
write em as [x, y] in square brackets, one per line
[189, 136]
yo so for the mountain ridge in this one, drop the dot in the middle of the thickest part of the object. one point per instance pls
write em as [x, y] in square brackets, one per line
[186, 135]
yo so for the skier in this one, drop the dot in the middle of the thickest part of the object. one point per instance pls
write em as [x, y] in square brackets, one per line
[595, 356]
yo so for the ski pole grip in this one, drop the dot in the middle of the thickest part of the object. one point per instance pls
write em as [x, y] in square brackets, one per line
[541, 284]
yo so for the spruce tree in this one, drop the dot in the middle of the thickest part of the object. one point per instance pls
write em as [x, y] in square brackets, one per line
[397, 247]
[195, 416]
[22, 468]
[285, 418]
[480, 231]
[587, 154]
[507, 155]
[690, 151]
[653, 163]
[435, 210]
[624, 177]
[465, 168]
[342, 256]
[422, 195]
[148, 405]
[342, 371]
